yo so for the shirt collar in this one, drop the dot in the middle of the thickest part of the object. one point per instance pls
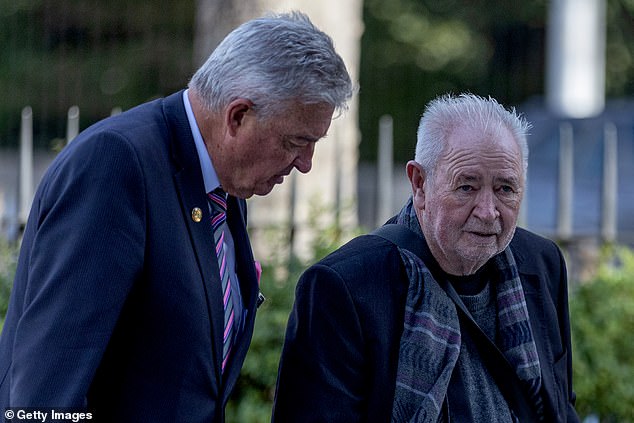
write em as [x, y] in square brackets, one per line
[209, 173]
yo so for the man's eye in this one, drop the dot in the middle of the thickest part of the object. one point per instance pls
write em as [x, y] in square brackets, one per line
[298, 142]
[507, 189]
[465, 188]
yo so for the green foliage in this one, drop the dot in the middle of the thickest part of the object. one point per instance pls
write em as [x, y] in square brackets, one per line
[96, 55]
[252, 400]
[253, 397]
[602, 319]
[329, 234]
[8, 260]
[415, 50]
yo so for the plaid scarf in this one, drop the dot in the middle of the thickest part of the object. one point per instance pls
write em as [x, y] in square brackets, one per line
[430, 343]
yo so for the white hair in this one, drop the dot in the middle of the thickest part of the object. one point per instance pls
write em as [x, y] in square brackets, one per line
[443, 114]
[272, 61]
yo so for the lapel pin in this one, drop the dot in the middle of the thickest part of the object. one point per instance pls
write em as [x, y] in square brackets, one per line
[197, 214]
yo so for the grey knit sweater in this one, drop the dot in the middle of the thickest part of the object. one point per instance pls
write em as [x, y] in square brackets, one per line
[473, 394]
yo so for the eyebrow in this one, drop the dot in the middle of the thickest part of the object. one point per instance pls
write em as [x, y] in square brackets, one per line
[507, 180]
[467, 178]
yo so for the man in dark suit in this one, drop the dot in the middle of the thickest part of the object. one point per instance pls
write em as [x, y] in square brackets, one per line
[136, 288]
[459, 317]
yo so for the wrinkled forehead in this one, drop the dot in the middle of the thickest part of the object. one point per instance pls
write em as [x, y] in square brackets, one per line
[493, 149]
[494, 135]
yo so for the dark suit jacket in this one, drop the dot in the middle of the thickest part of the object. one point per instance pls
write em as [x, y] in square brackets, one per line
[117, 302]
[341, 350]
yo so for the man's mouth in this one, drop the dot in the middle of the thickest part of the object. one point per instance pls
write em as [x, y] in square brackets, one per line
[484, 234]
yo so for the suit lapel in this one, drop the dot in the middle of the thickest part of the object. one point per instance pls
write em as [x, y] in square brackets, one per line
[189, 184]
[534, 283]
[536, 307]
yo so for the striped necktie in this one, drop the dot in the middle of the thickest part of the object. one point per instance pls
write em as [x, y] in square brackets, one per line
[218, 202]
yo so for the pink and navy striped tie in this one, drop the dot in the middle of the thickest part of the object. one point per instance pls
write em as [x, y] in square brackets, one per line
[218, 202]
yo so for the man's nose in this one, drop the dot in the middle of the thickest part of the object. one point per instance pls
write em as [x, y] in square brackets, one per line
[486, 208]
[304, 161]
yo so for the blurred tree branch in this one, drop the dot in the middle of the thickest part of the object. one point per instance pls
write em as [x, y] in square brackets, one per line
[214, 20]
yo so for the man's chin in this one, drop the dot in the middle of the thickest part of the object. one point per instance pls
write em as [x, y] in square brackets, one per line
[263, 190]
[243, 193]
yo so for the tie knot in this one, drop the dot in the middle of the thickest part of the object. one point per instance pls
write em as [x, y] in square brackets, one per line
[218, 199]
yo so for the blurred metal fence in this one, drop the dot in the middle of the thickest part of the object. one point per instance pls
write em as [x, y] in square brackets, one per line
[557, 204]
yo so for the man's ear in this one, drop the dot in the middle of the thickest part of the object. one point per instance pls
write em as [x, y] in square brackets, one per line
[235, 114]
[417, 177]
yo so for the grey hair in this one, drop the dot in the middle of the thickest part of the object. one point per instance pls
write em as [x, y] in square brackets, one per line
[445, 113]
[272, 61]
